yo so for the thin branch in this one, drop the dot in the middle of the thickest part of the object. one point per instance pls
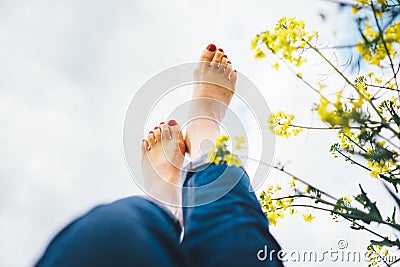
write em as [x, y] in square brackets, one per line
[383, 87]
[385, 45]
[281, 169]
[352, 161]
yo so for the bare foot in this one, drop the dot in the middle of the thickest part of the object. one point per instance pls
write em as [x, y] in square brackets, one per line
[212, 92]
[162, 158]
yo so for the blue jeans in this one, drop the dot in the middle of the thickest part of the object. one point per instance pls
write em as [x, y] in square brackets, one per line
[223, 226]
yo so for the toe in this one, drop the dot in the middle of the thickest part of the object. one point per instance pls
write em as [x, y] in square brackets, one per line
[151, 138]
[208, 53]
[224, 62]
[174, 128]
[233, 76]
[218, 56]
[176, 135]
[228, 67]
[145, 145]
[165, 133]
[157, 134]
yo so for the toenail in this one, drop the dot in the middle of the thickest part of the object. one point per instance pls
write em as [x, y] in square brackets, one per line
[225, 56]
[162, 122]
[220, 50]
[211, 48]
[235, 71]
[155, 128]
[229, 62]
[172, 123]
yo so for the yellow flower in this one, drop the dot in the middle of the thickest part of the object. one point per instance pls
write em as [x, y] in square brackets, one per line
[288, 40]
[308, 217]
[321, 85]
[293, 182]
[329, 117]
[217, 160]
[376, 253]
[254, 42]
[272, 218]
[363, 2]
[347, 199]
[221, 139]
[239, 141]
[380, 166]
[232, 160]
[355, 9]
[345, 137]
[308, 189]
[259, 54]
[373, 50]
[280, 123]
[275, 66]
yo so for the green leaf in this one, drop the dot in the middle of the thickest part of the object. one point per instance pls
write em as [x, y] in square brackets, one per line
[385, 243]
[374, 213]
[392, 179]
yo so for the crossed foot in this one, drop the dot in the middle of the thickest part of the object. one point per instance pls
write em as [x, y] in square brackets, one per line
[164, 149]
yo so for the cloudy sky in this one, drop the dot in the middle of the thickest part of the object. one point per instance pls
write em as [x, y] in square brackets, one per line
[68, 71]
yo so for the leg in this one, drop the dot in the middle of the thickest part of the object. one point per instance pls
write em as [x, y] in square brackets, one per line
[213, 90]
[224, 223]
[129, 232]
[133, 231]
[162, 159]
[228, 231]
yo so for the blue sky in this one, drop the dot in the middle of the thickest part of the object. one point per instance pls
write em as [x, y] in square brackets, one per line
[69, 70]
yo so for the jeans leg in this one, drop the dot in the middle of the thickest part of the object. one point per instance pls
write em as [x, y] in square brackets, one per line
[223, 221]
[129, 232]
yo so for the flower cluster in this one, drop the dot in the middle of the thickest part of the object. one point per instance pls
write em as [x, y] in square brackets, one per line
[380, 160]
[220, 154]
[345, 137]
[342, 204]
[276, 203]
[333, 113]
[376, 46]
[275, 208]
[280, 124]
[360, 84]
[288, 40]
[376, 254]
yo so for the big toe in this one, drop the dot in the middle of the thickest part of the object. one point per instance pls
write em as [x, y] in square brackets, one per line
[176, 134]
[175, 129]
[208, 53]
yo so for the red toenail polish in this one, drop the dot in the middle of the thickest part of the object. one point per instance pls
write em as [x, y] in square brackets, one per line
[229, 62]
[211, 48]
[225, 56]
[235, 71]
[162, 122]
[172, 123]
[155, 128]
[220, 50]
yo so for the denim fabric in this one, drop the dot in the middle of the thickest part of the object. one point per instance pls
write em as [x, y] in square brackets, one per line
[129, 232]
[231, 229]
[223, 226]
